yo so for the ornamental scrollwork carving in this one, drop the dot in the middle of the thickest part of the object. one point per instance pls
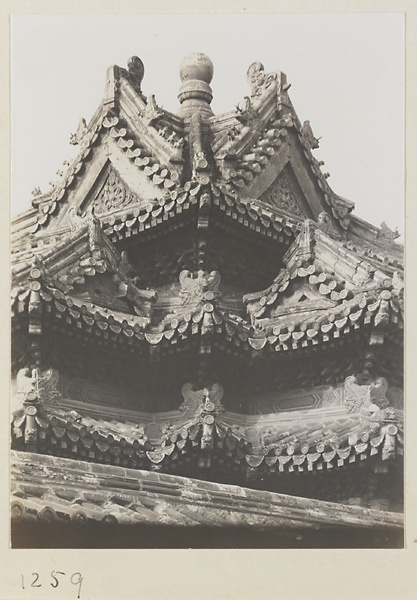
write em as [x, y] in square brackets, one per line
[258, 79]
[114, 194]
[282, 196]
[136, 72]
[205, 286]
[36, 385]
[206, 405]
[49, 387]
[207, 399]
[365, 396]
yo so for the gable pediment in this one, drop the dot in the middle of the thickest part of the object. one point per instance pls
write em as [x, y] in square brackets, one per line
[111, 193]
[113, 176]
[300, 297]
[284, 195]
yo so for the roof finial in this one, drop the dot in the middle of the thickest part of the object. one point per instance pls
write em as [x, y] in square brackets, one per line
[196, 73]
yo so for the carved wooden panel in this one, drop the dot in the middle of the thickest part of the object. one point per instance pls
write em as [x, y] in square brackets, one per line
[282, 194]
[114, 194]
[298, 400]
[94, 393]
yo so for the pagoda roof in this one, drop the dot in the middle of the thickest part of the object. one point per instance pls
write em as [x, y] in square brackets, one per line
[325, 289]
[253, 164]
[349, 424]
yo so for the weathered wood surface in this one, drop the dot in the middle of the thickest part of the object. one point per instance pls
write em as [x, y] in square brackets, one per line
[49, 488]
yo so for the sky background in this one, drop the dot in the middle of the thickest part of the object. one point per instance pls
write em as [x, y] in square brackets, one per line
[346, 71]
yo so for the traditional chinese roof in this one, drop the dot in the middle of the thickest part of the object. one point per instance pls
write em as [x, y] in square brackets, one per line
[51, 489]
[252, 167]
[200, 248]
[346, 424]
[325, 290]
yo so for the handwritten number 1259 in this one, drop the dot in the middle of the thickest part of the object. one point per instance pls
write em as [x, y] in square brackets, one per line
[75, 579]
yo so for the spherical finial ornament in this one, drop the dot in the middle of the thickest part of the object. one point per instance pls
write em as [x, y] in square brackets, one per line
[196, 66]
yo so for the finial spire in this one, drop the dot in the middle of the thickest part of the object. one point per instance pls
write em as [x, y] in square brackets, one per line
[195, 95]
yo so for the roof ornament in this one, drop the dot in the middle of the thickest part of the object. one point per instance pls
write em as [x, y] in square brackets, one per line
[94, 229]
[258, 79]
[172, 137]
[78, 137]
[323, 222]
[26, 384]
[397, 282]
[205, 286]
[153, 112]
[36, 192]
[207, 400]
[247, 114]
[136, 72]
[341, 209]
[371, 397]
[386, 234]
[195, 95]
[48, 386]
[307, 136]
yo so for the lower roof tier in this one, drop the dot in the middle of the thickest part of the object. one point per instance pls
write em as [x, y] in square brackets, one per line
[323, 296]
[309, 431]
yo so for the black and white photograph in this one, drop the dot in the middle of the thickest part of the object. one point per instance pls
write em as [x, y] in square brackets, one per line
[206, 359]
[207, 281]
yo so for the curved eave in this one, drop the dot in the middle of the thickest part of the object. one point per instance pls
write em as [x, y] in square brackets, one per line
[294, 443]
[212, 325]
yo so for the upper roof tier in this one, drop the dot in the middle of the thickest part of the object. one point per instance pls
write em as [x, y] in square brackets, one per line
[252, 166]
